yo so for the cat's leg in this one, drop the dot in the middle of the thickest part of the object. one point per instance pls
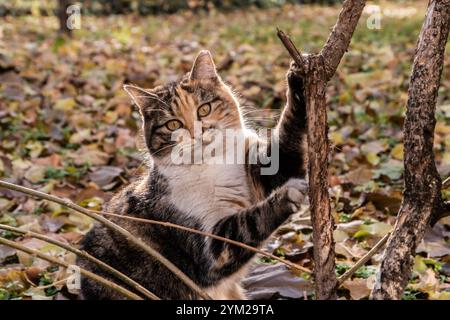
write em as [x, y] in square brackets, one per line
[290, 135]
[292, 123]
[252, 226]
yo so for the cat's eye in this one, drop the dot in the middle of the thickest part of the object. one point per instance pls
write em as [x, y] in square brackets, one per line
[173, 125]
[204, 110]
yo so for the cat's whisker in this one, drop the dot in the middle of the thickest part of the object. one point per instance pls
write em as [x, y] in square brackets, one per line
[262, 111]
[155, 97]
[152, 110]
[164, 148]
[259, 118]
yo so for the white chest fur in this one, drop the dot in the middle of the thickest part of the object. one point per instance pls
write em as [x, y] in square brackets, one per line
[208, 192]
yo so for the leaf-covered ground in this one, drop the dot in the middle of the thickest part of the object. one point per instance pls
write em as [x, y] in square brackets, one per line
[67, 128]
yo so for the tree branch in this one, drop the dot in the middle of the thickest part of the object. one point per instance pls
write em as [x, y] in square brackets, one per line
[210, 235]
[293, 51]
[446, 183]
[379, 245]
[64, 264]
[87, 256]
[316, 72]
[162, 223]
[422, 196]
[341, 35]
[350, 272]
[136, 241]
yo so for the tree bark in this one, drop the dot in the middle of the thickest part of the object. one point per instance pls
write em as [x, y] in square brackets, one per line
[316, 70]
[63, 16]
[341, 35]
[321, 217]
[422, 198]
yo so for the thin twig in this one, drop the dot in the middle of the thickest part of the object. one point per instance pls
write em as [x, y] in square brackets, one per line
[136, 241]
[363, 260]
[64, 264]
[445, 182]
[28, 279]
[292, 49]
[87, 256]
[207, 234]
[51, 284]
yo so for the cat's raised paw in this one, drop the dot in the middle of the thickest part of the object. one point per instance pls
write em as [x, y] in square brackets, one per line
[296, 193]
[293, 68]
[294, 78]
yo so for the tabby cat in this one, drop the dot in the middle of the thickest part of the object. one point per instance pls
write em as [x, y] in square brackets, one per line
[230, 200]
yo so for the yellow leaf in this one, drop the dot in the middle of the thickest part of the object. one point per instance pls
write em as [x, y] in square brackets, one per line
[419, 265]
[110, 117]
[445, 295]
[65, 104]
[379, 229]
[373, 158]
[336, 137]
[35, 148]
[397, 152]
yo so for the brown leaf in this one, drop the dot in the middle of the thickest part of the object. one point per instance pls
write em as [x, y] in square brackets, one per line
[358, 288]
[89, 155]
[359, 176]
[383, 200]
[104, 175]
[52, 161]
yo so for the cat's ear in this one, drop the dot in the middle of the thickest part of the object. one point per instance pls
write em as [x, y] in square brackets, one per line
[141, 97]
[203, 67]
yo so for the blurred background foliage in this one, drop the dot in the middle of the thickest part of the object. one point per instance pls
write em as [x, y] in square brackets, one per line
[143, 7]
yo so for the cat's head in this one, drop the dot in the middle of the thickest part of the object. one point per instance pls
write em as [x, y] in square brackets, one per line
[200, 99]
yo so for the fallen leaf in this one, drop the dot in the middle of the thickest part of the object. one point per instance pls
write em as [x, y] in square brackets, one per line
[35, 174]
[104, 175]
[88, 155]
[397, 152]
[65, 104]
[379, 229]
[427, 282]
[358, 288]
[350, 227]
[359, 176]
[267, 281]
[6, 252]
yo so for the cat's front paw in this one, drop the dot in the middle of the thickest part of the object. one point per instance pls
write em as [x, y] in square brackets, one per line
[294, 77]
[294, 68]
[295, 85]
[296, 191]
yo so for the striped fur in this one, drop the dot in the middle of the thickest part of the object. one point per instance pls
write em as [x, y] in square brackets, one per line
[230, 200]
